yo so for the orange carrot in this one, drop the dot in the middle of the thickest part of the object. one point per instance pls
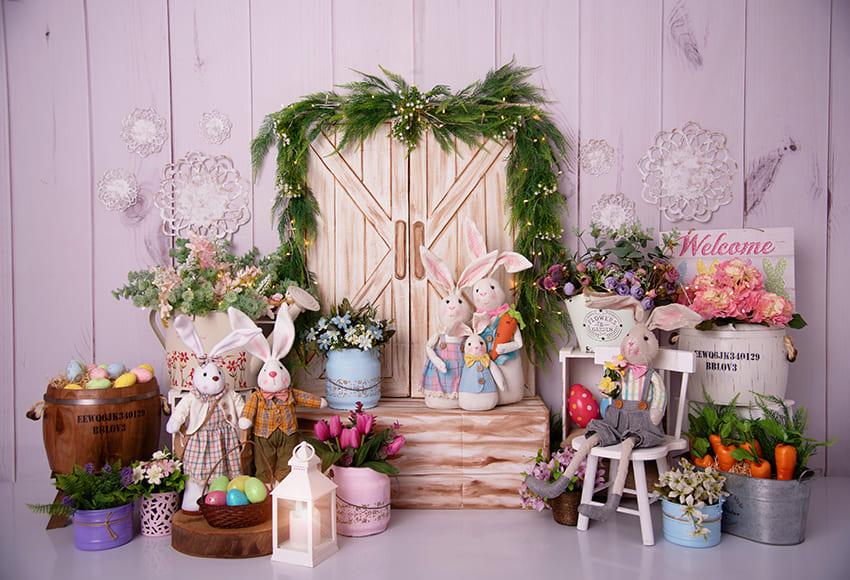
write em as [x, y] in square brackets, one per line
[703, 461]
[761, 469]
[716, 442]
[725, 461]
[749, 447]
[786, 461]
[505, 331]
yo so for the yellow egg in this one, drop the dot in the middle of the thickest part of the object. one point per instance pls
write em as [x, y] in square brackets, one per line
[149, 367]
[74, 387]
[125, 380]
[238, 482]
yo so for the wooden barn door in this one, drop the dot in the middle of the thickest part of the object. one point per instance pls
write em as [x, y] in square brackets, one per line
[377, 207]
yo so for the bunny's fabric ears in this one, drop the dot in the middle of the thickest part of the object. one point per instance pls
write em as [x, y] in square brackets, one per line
[283, 335]
[235, 339]
[668, 317]
[477, 246]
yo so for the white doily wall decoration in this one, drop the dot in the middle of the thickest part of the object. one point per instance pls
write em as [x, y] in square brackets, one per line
[687, 173]
[118, 190]
[144, 132]
[202, 194]
[597, 157]
[613, 211]
[215, 127]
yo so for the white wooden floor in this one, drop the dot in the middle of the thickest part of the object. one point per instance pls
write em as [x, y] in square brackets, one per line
[444, 544]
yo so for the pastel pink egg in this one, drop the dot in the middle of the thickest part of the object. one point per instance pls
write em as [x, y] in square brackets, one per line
[98, 373]
[143, 374]
[582, 405]
[216, 498]
[91, 366]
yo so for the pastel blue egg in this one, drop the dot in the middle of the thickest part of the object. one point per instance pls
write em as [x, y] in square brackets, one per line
[115, 370]
[74, 371]
[236, 497]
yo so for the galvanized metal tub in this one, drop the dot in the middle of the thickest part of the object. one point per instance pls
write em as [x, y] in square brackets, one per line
[767, 510]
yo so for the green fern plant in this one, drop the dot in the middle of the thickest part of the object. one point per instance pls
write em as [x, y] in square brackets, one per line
[87, 489]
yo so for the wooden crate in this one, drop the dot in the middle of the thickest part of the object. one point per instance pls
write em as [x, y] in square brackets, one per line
[456, 458]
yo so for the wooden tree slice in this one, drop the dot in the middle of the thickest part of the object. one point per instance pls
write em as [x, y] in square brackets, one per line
[192, 535]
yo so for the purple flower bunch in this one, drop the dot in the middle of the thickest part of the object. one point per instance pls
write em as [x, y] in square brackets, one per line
[550, 470]
[359, 444]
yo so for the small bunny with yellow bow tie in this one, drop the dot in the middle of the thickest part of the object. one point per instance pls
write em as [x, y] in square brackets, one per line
[481, 379]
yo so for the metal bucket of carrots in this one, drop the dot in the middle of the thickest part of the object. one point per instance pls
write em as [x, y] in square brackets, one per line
[769, 511]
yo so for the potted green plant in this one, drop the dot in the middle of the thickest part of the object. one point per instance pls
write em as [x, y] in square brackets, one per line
[351, 339]
[206, 279]
[100, 504]
[565, 506]
[358, 454]
[158, 481]
[626, 261]
[692, 505]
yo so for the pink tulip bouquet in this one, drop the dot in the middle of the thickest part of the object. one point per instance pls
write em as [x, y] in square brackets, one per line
[357, 444]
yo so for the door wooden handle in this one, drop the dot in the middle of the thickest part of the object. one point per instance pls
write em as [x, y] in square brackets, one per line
[400, 250]
[418, 240]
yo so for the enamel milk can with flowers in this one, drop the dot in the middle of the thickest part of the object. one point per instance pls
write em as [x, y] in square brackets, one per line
[742, 346]
[623, 262]
[357, 455]
[351, 339]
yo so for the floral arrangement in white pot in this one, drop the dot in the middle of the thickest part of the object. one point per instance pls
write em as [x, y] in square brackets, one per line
[693, 489]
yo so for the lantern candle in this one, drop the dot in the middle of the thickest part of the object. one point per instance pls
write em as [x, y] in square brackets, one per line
[299, 525]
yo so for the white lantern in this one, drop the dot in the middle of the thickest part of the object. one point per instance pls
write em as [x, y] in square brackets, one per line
[304, 512]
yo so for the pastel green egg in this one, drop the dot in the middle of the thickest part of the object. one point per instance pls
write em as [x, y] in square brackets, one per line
[125, 380]
[219, 483]
[255, 490]
[99, 384]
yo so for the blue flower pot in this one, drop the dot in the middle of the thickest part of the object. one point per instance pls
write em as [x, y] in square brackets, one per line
[679, 529]
[103, 529]
[351, 376]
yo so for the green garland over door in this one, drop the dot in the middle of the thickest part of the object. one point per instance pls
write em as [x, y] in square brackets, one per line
[501, 107]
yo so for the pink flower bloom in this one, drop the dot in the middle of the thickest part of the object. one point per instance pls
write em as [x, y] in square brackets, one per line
[322, 430]
[365, 422]
[395, 445]
[350, 438]
[335, 427]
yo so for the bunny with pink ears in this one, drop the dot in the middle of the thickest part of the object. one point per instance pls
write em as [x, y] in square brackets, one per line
[634, 418]
[444, 349]
[490, 301]
[270, 409]
[211, 411]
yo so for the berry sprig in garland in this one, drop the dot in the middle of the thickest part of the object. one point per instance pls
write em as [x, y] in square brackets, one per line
[501, 107]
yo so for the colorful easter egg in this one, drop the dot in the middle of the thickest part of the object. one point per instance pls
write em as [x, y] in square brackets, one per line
[236, 497]
[255, 490]
[218, 497]
[115, 370]
[98, 373]
[125, 380]
[238, 482]
[90, 366]
[143, 374]
[99, 384]
[582, 405]
[74, 387]
[74, 371]
[146, 366]
[219, 483]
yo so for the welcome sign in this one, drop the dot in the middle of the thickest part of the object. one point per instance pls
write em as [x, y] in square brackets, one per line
[769, 250]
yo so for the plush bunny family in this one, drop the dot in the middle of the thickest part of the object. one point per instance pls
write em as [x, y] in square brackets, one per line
[634, 417]
[473, 368]
[214, 415]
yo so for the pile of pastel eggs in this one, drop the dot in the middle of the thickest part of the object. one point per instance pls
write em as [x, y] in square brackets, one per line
[241, 490]
[92, 376]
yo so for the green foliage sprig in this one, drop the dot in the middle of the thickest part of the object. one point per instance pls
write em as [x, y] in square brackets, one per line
[502, 107]
[86, 489]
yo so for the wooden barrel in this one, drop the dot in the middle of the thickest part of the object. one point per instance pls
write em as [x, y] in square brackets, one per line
[100, 426]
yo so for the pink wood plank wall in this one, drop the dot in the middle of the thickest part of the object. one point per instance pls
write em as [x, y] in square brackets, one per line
[765, 73]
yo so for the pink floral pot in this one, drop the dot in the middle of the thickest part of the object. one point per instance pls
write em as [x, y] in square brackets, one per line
[362, 501]
[156, 513]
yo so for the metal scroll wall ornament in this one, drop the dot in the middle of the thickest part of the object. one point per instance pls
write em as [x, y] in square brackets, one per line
[597, 157]
[118, 190]
[202, 194]
[613, 211]
[215, 127]
[144, 132]
[687, 173]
